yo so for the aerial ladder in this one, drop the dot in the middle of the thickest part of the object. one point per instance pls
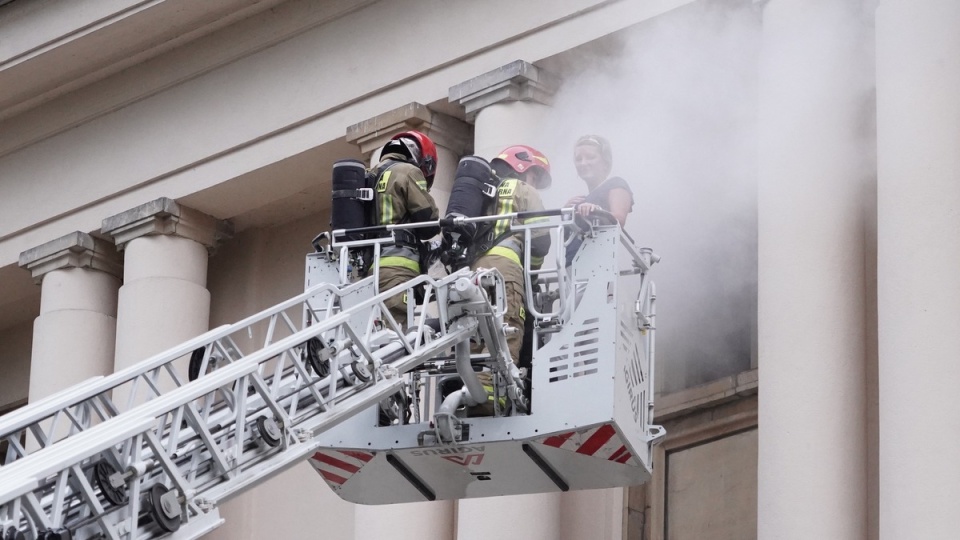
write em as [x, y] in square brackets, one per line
[380, 411]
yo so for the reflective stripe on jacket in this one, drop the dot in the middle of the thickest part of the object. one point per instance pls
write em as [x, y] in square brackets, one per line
[514, 195]
[402, 197]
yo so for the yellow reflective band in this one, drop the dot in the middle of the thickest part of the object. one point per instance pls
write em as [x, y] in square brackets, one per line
[504, 252]
[489, 390]
[536, 219]
[536, 261]
[401, 262]
[523, 314]
[382, 184]
[505, 207]
[404, 298]
[386, 209]
[422, 184]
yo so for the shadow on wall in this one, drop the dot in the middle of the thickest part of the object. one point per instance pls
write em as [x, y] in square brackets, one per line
[677, 99]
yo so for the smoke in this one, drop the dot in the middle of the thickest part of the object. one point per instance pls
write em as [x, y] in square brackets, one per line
[677, 99]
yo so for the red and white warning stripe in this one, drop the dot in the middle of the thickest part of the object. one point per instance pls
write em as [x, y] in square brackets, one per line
[600, 442]
[337, 466]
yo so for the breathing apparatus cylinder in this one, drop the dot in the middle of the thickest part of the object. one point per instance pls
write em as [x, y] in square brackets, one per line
[352, 197]
[474, 190]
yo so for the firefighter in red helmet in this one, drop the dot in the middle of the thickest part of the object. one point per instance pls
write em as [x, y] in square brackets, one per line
[405, 174]
[524, 171]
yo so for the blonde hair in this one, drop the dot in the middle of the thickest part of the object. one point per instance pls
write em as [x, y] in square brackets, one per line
[604, 145]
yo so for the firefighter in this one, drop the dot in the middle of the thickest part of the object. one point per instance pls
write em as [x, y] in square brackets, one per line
[405, 174]
[523, 171]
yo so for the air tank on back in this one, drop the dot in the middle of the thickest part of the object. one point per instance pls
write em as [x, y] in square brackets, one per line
[474, 190]
[352, 197]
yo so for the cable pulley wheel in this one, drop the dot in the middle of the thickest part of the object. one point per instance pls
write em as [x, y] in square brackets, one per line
[163, 508]
[196, 360]
[269, 431]
[360, 370]
[102, 472]
[312, 353]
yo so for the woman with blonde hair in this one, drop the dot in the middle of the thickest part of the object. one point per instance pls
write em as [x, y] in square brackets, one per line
[594, 161]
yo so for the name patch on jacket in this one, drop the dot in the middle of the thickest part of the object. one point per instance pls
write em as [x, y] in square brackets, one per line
[507, 188]
[382, 183]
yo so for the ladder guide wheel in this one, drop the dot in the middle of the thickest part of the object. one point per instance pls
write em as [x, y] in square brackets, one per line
[163, 508]
[269, 431]
[312, 351]
[102, 472]
[360, 370]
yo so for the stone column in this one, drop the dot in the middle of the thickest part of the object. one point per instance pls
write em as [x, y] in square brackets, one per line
[814, 160]
[451, 136]
[164, 300]
[918, 142]
[508, 106]
[73, 338]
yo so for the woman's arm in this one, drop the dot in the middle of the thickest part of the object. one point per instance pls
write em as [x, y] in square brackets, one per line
[620, 201]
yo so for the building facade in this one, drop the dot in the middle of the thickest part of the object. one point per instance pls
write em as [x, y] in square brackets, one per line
[796, 163]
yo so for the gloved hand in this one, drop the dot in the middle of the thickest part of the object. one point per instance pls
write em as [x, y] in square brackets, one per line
[430, 251]
[436, 244]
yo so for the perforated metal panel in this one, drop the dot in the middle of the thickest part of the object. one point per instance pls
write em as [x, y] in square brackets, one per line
[581, 358]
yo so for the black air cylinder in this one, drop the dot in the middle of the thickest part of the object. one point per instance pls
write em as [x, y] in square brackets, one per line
[349, 210]
[474, 189]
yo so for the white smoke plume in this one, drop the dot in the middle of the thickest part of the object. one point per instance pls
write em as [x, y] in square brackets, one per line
[676, 97]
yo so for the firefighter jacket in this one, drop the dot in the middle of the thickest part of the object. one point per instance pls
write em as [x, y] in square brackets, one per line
[514, 195]
[401, 197]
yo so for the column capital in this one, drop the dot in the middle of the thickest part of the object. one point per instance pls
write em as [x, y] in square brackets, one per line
[165, 216]
[516, 81]
[75, 250]
[444, 130]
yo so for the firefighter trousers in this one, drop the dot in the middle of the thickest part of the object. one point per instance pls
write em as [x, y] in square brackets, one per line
[390, 277]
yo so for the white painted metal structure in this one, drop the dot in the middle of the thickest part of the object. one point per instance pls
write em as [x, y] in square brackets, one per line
[153, 450]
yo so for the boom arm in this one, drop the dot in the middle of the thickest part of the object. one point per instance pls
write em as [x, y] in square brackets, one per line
[193, 444]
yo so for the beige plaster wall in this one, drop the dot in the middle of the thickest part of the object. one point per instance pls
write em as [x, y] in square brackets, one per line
[712, 490]
[15, 346]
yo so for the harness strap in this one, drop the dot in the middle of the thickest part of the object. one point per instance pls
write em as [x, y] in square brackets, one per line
[363, 194]
[404, 238]
[488, 190]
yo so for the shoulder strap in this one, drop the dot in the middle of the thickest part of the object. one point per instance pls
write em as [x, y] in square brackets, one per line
[374, 180]
[484, 235]
[376, 172]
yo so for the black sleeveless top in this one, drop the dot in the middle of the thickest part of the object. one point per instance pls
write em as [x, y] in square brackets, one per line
[600, 197]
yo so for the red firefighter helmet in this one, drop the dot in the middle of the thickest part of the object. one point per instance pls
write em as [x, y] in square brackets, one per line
[420, 149]
[523, 158]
